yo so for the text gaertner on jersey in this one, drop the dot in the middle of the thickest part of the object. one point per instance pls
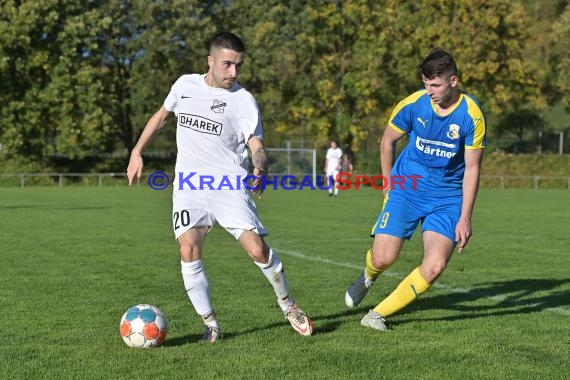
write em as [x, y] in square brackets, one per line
[200, 124]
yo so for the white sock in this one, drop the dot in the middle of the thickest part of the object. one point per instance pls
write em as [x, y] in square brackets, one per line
[274, 272]
[210, 319]
[197, 287]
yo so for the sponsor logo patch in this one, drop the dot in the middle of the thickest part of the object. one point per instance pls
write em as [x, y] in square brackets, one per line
[200, 124]
[434, 148]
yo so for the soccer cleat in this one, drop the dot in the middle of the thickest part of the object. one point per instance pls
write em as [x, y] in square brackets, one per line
[375, 321]
[357, 291]
[299, 320]
[211, 335]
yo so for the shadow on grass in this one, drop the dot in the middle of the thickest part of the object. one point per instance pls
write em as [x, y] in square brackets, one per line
[321, 325]
[182, 340]
[226, 335]
[331, 322]
[501, 298]
[520, 296]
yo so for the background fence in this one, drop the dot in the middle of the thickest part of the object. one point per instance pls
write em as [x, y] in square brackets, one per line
[120, 179]
[62, 179]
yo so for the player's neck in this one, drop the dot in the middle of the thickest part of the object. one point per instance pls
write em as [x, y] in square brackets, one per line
[208, 80]
[448, 106]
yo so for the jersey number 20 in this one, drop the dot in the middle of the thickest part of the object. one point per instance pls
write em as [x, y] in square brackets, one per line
[181, 219]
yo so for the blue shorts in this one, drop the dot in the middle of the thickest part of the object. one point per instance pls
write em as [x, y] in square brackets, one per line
[403, 210]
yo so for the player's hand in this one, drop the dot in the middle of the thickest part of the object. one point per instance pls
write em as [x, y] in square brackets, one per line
[258, 183]
[462, 233]
[135, 167]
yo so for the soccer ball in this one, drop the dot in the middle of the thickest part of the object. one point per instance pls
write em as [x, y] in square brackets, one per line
[143, 326]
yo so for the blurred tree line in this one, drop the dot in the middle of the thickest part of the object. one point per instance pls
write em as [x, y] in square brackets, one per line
[79, 79]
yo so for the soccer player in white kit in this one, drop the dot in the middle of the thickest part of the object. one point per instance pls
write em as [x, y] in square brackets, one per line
[332, 166]
[217, 120]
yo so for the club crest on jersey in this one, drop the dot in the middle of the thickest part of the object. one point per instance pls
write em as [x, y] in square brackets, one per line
[218, 106]
[453, 132]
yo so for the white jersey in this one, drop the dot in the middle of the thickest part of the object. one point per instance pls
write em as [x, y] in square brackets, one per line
[333, 159]
[213, 127]
[212, 130]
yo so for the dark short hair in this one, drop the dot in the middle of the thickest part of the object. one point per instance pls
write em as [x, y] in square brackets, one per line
[438, 63]
[227, 40]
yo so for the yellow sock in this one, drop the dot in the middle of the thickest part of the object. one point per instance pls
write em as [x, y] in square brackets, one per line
[370, 272]
[408, 290]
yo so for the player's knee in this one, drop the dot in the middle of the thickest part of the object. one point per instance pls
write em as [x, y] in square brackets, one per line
[259, 254]
[432, 271]
[190, 252]
[381, 261]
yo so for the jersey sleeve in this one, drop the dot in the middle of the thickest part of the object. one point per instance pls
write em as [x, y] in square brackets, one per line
[250, 118]
[401, 118]
[171, 100]
[476, 138]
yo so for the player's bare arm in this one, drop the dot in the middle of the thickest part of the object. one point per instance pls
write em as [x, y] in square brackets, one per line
[473, 159]
[388, 152]
[154, 124]
[259, 160]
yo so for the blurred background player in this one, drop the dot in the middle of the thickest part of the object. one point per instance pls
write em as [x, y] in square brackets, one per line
[217, 120]
[332, 165]
[345, 165]
[446, 130]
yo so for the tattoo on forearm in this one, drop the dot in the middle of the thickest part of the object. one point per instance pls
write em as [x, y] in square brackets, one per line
[259, 158]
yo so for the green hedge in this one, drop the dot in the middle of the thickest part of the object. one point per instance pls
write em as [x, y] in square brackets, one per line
[526, 165]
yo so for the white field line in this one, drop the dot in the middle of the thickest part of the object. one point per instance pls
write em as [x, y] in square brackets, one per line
[494, 297]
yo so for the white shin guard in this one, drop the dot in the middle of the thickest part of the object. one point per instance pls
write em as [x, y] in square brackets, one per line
[275, 273]
[197, 286]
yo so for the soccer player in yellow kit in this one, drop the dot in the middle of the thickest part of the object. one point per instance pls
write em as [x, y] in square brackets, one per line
[446, 130]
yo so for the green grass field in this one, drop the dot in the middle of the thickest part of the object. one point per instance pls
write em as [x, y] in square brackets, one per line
[74, 259]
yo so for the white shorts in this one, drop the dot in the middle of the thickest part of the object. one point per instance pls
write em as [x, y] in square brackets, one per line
[333, 174]
[234, 210]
